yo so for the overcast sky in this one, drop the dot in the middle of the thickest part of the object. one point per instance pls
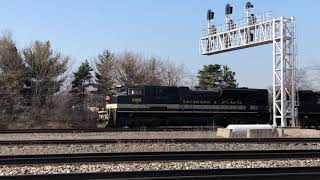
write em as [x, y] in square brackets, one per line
[165, 28]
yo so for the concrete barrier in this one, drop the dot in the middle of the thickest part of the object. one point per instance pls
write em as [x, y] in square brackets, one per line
[302, 132]
[225, 133]
[280, 132]
[241, 130]
[262, 133]
[266, 133]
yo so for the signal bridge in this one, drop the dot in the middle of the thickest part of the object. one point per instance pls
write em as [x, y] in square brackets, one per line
[257, 30]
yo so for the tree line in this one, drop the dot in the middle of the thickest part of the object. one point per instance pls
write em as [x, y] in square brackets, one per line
[36, 86]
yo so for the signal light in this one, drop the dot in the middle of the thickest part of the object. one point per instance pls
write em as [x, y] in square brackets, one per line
[228, 9]
[249, 5]
[210, 15]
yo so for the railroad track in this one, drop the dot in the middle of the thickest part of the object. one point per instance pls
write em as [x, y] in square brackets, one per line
[178, 140]
[170, 128]
[297, 173]
[157, 156]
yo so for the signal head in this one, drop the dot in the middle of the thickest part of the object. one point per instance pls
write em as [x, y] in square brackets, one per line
[210, 15]
[228, 9]
[249, 5]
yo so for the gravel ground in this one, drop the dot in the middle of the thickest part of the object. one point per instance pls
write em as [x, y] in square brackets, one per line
[146, 166]
[108, 135]
[148, 147]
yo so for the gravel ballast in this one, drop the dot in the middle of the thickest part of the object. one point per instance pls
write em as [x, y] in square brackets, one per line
[148, 147]
[148, 166]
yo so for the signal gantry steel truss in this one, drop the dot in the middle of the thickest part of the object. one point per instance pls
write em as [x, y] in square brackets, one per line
[259, 30]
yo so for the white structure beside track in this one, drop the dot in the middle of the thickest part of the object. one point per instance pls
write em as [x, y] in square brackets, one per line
[255, 30]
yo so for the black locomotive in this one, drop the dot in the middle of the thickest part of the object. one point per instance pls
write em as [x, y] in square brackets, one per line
[177, 106]
[165, 106]
[309, 109]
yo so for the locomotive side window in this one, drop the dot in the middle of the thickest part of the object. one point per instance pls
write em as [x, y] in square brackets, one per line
[135, 91]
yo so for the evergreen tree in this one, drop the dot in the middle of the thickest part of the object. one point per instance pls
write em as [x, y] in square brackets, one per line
[216, 76]
[45, 71]
[228, 78]
[103, 74]
[82, 81]
[12, 71]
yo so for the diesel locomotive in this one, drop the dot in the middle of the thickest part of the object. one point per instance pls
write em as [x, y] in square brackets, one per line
[309, 109]
[136, 106]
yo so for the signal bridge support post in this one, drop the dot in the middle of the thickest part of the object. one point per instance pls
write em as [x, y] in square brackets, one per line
[261, 30]
[284, 73]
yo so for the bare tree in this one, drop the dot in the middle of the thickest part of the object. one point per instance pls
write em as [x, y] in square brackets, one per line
[190, 80]
[308, 77]
[302, 80]
[130, 69]
[313, 75]
[153, 67]
[172, 74]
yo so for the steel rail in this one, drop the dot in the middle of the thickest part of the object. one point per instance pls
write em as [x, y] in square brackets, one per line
[157, 156]
[295, 173]
[191, 128]
[175, 140]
